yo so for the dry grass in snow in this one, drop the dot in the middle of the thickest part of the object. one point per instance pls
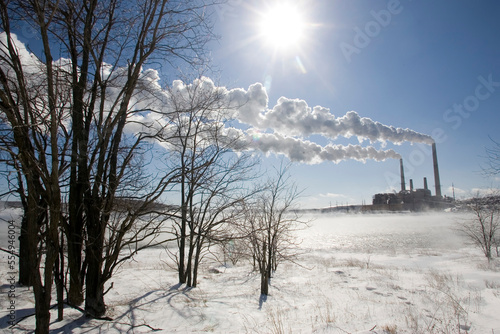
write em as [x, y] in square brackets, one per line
[406, 273]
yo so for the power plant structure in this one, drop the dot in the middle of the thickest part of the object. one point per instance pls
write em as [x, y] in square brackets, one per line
[420, 199]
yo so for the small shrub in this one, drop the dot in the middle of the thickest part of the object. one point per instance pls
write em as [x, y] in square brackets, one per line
[276, 322]
[390, 329]
[325, 312]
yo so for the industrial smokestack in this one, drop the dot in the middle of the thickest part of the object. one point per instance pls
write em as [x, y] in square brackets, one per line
[436, 171]
[425, 183]
[411, 185]
[403, 185]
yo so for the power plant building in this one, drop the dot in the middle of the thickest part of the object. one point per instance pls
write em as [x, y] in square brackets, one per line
[413, 199]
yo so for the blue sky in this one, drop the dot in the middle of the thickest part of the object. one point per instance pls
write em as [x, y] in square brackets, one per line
[431, 66]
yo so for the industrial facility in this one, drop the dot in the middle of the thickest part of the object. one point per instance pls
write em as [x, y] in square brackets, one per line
[413, 199]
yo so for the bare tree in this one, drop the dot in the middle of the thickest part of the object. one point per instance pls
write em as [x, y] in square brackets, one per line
[235, 248]
[34, 111]
[78, 117]
[497, 245]
[484, 227]
[157, 30]
[212, 177]
[270, 223]
[493, 159]
[12, 175]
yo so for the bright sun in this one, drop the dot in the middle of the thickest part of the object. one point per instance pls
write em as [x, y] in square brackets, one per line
[282, 26]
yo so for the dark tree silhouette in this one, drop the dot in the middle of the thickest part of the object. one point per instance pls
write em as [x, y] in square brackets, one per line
[269, 224]
[67, 122]
[212, 176]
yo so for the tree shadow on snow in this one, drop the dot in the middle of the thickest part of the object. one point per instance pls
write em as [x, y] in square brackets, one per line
[177, 298]
[19, 314]
[125, 322]
[262, 300]
[150, 302]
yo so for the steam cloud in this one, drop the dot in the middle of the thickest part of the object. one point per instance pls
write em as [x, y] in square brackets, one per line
[296, 118]
[292, 120]
[308, 152]
[267, 133]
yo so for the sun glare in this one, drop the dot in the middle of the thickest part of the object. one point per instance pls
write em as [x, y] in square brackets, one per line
[282, 26]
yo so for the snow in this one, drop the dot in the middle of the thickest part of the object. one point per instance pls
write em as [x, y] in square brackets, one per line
[374, 273]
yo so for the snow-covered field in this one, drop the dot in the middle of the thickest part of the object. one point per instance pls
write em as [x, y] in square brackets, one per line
[374, 273]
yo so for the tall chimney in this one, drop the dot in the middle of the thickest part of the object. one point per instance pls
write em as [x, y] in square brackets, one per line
[436, 171]
[425, 183]
[411, 185]
[403, 185]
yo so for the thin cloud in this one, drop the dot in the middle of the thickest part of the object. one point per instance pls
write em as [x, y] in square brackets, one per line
[332, 196]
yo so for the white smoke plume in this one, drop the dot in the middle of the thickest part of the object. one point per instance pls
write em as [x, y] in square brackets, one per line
[294, 117]
[284, 128]
[308, 152]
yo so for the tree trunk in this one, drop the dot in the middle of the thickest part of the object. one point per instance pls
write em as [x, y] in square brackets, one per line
[75, 292]
[187, 275]
[59, 280]
[189, 265]
[94, 301]
[42, 310]
[42, 299]
[264, 282]
[182, 241]
[75, 240]
[254, 257]
[42, 286]
[74, 236]
[94, 293]
[269, 260]
[59, 290]
[264, 272]
[25, 278]
[78, 187]
[94, 296]
[197, 256]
